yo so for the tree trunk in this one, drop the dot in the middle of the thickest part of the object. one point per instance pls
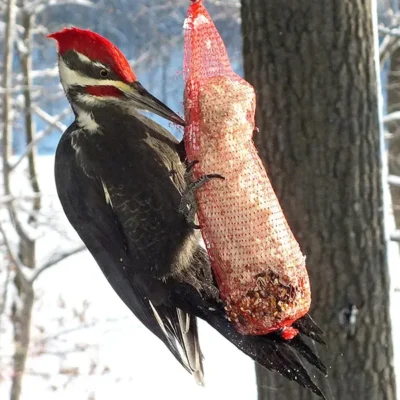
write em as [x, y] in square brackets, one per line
[27, 251]
[312, 64]
[7, 86]
[21, 320]
[26, 64]
[394, 128]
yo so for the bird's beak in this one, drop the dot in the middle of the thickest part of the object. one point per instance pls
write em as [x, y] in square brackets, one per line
[143, 100]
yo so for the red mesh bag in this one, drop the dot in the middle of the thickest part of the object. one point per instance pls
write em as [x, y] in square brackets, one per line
[256, 260]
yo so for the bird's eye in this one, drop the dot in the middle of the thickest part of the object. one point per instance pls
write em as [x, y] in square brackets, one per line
[103, 73]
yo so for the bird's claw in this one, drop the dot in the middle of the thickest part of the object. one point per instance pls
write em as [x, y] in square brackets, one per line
[189, 168]
[189, 206]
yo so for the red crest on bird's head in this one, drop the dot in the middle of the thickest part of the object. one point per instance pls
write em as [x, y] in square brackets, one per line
[96, 48]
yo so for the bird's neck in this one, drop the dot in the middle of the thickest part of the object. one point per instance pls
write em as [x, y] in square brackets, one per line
[86, 120]
[96, 115]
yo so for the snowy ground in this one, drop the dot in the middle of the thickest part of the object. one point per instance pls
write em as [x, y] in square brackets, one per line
[115, 357]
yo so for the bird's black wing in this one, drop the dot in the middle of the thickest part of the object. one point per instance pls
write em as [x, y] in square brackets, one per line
[85, 205]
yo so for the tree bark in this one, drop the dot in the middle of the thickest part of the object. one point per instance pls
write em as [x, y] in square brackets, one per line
[26, 64]
[8, 56]
[21, 320]
[27, 251]
[7, 117]
[312, 64]
[394, 128]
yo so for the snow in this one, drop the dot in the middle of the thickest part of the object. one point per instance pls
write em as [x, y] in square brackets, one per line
[115, 356]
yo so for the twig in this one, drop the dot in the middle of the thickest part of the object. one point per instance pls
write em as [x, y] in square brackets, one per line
[394, 180]
[11, 198]
[388, 46]
[14, 259]
[389, 31]
[86, 325]
[37, 7]
[395, 237]
[60, 257]
[5, 292]
[49, 119]
[392, 117]
[7, 116]
[40, 136]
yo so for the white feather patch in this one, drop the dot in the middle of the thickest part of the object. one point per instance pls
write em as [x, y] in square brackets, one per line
[86, 121]
[106, 194]
[87, 60]
[158, 319]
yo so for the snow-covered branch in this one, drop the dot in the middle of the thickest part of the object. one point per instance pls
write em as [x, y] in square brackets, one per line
[395, 236]
[53, 121]
[389, 44]
[389, 31]
[56, 123]
[55, 260]
[14, 258]
[37, 7]
[394, 180]
[11, 198]
[392, 117]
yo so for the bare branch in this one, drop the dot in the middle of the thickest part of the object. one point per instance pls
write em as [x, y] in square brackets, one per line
[389, 44]
[394, 180]
[7, 85]
[11, 198]
[86, 325]
[5, 292]
[14, 259]
[391, 136]
[55, 260]
[40, 136]
[392, 117]
[45, 72]
[37, 7]
[49, 118]
[389, 31]
[395, 237]
[25, 54]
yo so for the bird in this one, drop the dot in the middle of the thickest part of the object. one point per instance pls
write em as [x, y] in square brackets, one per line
[120, 179]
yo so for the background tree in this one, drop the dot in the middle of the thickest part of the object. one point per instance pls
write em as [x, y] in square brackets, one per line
[312, 63]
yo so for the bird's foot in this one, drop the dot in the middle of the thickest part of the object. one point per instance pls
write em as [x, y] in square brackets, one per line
[189, 206]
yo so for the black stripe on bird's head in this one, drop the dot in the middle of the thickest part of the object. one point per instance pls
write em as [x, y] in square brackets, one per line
[94, 73]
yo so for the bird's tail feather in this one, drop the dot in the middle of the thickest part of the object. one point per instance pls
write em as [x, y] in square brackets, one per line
[308, 327]
[188, 325]
[276, 354]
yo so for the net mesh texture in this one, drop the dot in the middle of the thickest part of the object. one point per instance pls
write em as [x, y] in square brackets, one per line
[257, 262]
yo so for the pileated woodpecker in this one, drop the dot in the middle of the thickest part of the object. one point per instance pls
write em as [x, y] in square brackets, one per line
[120, 180]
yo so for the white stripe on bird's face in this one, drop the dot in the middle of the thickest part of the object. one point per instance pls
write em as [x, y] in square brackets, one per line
[70, 77]
[87, 60]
